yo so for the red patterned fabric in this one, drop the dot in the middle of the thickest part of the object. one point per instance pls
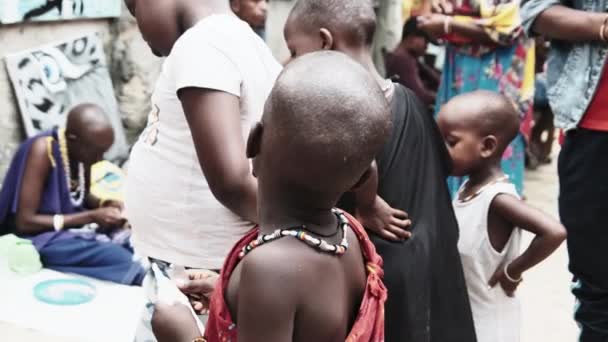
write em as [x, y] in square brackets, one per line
[369, 326]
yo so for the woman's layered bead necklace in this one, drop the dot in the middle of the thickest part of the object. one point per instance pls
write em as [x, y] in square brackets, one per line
[302, 235]
[78, 194]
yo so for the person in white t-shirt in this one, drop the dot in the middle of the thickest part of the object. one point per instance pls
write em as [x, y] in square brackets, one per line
[477, 128]
[190, 194]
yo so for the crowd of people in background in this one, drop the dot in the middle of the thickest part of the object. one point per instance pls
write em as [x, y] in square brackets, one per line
[238, 176]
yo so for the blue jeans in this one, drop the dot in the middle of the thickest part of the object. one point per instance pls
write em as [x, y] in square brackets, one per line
[541, 100]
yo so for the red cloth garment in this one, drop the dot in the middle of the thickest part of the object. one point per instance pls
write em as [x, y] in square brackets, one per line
[369, 325]
[596, 117]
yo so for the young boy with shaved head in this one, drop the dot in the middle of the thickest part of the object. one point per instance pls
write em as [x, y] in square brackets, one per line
[309, 271]
[427, 297]
[212, 87]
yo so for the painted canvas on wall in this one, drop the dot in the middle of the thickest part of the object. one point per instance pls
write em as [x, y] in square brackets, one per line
[50, 80]
[14, 11]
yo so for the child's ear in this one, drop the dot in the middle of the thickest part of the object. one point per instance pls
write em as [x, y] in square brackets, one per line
[254, 142]
[489, 146]
[327, 39]
[371, 170]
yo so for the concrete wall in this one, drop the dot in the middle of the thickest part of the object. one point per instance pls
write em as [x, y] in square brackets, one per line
[388, 30]
[278, 11]
[133, 68]
[134, 72]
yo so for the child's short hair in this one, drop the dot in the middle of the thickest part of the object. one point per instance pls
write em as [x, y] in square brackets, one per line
[324, 122]
[490, 113]
[500, 116]
[355, 19]
[410, 28]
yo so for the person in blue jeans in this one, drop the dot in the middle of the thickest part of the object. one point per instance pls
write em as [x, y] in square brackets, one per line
[578, 94]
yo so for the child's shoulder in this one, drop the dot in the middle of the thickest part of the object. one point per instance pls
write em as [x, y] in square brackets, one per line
[503, 199]
[276, 259]
[503, 188]
[485, 197]
[276, 266]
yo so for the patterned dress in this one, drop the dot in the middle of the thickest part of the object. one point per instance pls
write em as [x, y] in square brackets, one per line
[507, 67]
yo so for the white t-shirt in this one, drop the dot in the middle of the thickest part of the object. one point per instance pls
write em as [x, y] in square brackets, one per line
[496, 316]
[174, 215]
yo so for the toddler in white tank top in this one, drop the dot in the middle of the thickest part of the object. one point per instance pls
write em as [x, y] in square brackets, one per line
[477, 128]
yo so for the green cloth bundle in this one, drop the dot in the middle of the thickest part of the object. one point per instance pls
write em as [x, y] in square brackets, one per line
[22, 256]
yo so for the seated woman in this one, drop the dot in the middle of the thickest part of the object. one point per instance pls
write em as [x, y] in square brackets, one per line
[46, 192]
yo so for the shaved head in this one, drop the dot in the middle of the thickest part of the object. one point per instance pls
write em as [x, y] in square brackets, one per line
[477, 128]
[489, 112]
[86, 119]
[324, 122]
[89, 131]
[355, 20]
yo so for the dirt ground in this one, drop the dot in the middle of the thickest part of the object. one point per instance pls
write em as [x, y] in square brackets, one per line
[547, 304]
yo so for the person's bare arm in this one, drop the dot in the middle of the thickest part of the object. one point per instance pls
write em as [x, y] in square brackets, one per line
[258, 293]
[199, 288]
[472, 31]
[563, 23]
[174, 323]
[434, 24]
[376, 215]
[549, 234]
[28, 220]
[215, 123]
[412, 80]
[430, 75]
[96, 202]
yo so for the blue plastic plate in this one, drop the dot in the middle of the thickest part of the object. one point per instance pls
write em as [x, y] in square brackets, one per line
[65, 291]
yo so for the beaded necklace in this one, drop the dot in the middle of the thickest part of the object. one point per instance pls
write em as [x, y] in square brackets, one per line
[76, 196]
[303, 236]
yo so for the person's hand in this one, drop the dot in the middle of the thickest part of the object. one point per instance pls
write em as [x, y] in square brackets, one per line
[433, 24]
[198, 288]
[107, 217]
[508, 286]
[113, 204]
[174, 322]
[442, 7]
[385, 221]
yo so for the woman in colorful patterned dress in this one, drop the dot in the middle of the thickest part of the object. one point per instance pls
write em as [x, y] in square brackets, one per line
[486, 49]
